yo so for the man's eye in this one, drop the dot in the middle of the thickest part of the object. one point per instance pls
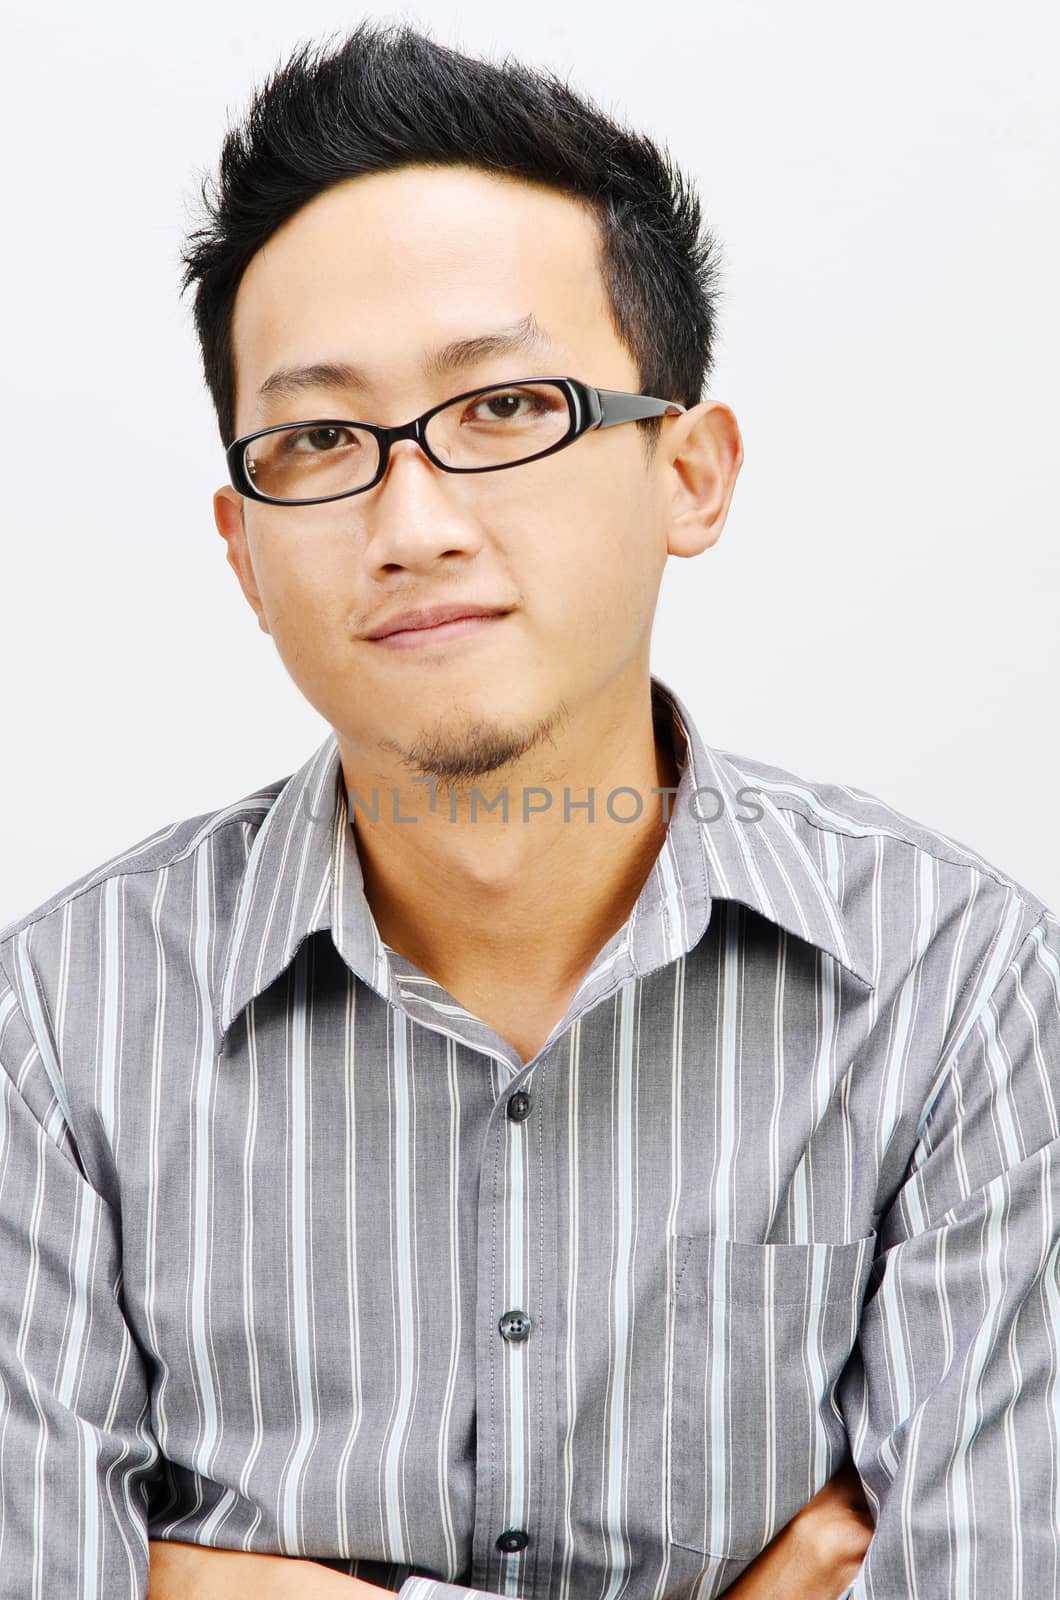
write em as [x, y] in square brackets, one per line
[507, 407]
[504, 405]
[320, 441]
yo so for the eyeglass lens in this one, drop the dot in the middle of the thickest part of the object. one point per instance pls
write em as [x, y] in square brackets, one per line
[496, 427]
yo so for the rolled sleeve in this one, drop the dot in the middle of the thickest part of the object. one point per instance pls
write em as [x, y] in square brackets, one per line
[952, 1399]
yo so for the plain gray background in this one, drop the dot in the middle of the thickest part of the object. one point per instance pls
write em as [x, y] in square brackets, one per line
[881, 609]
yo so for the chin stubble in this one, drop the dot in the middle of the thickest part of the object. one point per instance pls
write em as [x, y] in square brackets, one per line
[459, 757]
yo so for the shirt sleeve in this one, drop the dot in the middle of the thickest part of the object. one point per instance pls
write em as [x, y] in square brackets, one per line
[75, 1448]
[436, 1589]
[952, 1398]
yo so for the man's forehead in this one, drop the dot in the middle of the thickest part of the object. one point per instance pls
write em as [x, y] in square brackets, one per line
[374, 235]
[406, 286]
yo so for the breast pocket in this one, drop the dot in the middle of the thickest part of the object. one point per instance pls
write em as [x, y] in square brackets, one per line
[761, 1333]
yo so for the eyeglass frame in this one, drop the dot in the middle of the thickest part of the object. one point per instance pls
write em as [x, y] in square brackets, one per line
[587, 406]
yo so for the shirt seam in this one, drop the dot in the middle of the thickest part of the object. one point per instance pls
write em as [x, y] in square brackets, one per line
[74, 1154]
[984, 869]
[11, 930]
[928, 1117]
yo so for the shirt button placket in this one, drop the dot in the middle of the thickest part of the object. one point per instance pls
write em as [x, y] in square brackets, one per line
[515, 1325]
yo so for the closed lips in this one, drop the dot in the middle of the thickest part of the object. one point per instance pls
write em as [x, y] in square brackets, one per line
[432, 617]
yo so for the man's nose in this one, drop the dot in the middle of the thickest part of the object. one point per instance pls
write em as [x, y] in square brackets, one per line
[417, 512]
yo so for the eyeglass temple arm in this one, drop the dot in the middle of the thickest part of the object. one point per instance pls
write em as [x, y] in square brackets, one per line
[618, 407]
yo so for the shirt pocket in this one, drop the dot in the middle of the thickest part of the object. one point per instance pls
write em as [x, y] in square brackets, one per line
[761, 1333]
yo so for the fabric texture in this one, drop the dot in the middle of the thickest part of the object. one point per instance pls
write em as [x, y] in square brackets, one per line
[298, 1256]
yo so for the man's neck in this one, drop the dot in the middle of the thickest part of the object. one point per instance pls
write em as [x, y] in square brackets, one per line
[480, 903]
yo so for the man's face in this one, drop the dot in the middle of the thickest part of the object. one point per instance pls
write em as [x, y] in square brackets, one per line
[379, 273]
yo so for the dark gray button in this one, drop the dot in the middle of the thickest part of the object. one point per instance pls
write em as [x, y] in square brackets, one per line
[520, 1106]
[515, 1326]
[512, 1540]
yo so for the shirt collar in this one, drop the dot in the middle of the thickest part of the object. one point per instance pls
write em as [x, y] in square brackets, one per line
[725, 841]
[740, 840]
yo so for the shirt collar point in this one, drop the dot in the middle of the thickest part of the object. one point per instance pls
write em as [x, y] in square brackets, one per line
[281, 899]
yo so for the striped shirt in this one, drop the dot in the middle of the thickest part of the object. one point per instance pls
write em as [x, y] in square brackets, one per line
[298, 1256]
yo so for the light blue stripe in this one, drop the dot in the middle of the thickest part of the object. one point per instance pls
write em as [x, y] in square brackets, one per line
[73, 1345]
[889, 1298]
[89, 1566]
[910, 1499]
[906, 1009]
[1001, 954]
[815, 1312]
[1000, 1071]
[971, 1414]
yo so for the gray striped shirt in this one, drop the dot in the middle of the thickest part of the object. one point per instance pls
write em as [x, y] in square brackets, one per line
[297, 1255]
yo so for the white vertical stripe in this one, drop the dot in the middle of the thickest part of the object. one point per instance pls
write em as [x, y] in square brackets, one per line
[350, 1266]
[621, 1308]
[718, 1376]
[201, 1215]
[402, 1192]
[300, 1272]
[569, 1365]
[456, 1271]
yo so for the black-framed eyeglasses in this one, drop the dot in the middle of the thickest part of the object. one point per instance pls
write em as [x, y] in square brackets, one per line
[484, 430]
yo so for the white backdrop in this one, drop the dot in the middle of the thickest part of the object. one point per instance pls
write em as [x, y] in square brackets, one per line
[881, 609]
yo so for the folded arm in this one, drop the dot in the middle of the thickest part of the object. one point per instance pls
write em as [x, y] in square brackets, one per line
[952, 1398]
[813, 1558]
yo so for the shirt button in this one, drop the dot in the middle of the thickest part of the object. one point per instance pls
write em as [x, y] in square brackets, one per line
[515, 1326]
[513, 1540]
[520, 1106]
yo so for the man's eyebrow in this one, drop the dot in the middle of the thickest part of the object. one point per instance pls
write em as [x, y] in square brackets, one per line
[524, 336]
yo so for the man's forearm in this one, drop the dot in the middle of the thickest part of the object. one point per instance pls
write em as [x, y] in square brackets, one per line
[817, 1555]
[814, 1558]
[196, 1572]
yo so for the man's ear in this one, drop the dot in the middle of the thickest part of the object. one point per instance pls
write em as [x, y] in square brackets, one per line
[703, 454]
[228, 515]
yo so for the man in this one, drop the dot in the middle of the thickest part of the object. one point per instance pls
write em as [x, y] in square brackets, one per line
[526, 1148]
